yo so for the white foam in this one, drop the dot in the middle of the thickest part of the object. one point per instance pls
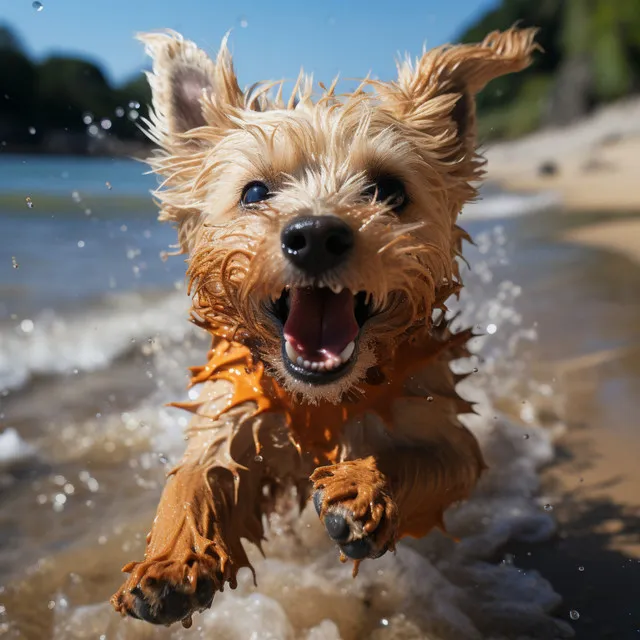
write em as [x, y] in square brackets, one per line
[509, 205]
[13, 448]
[52, 344]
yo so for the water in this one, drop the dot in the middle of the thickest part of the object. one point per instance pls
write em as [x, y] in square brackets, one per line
[86, 438]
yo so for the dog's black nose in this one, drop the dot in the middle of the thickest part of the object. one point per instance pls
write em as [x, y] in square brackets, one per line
[317, 243]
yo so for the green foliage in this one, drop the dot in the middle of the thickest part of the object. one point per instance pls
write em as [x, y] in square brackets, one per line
[523, 115]
[606, 33]
[55, 96]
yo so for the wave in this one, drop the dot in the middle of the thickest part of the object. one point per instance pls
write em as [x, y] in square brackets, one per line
[90, 339]
[496, 205]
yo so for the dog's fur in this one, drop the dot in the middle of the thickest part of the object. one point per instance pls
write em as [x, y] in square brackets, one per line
[381, 442]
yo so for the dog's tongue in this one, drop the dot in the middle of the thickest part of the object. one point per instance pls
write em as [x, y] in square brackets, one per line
[320, 323]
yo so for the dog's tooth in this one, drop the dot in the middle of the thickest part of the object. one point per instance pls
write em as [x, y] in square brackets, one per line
[314, 366]
[306, 364]
[337, 288]
[348, 351]
[300, 361]
[321, 366]
[330, 364]
[292, 354]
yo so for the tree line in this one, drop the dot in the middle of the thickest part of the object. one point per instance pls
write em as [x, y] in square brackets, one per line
[591, 56]
[64, 104]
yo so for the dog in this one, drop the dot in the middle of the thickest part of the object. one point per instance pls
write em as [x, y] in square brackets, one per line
[322, 242]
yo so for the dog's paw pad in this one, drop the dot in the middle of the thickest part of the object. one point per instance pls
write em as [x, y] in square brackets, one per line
[164, 600]
[344, 529]
[337, 527]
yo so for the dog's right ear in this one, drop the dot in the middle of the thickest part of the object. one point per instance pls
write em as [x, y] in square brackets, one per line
[189, 90]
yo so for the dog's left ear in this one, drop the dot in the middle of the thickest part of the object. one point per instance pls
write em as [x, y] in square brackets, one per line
[436, 94]
[189, 89]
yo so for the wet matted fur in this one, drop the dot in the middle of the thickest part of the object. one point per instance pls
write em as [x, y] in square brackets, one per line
[329, 373]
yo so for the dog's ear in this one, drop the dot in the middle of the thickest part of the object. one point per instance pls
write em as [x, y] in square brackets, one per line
[438, 90]
[189, 90]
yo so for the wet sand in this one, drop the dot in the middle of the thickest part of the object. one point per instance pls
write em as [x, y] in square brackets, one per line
[594, 561]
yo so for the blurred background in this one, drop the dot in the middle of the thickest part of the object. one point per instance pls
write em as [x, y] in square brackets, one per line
[94, 338]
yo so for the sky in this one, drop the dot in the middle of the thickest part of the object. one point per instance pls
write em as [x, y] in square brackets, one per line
[269, 39]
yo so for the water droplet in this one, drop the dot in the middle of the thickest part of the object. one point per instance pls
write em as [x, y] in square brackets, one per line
[133, 114]
[580, 568]
[119, 112]
[87, 117]
[429, 398]
[38, 6]
[163, 459]
[548, 507]
[75, 196]
[475, 369]
[29, 202]
[258, 458]
[384, 622]
[108, 185]
[93, 130]
[14, 263]
[134, 105]
[51, 604]
[574, 615]
[526, 436]
[491, 329]
[32, 131]
[27, 325]
[105, 123]
[244, 23]
[80, 243]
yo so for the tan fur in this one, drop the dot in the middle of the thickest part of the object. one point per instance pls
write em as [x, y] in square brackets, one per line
[384, 439]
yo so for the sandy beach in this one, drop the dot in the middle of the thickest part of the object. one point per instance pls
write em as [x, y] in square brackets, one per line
[593, 169]
[592, 166]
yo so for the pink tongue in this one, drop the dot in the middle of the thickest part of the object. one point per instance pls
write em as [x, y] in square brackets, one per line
[320, 323]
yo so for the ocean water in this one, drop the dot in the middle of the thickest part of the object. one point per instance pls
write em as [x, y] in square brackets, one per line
[94, 341]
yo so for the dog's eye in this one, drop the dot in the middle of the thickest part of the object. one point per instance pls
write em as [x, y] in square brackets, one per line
[390, 190]
[255, 192]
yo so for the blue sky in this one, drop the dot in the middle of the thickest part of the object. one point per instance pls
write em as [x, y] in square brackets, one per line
[269, 39]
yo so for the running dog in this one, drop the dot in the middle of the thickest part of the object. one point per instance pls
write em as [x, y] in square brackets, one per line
[322, 246]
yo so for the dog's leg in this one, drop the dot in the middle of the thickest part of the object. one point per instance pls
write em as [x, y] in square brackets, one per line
[211, 500]
[368, 503]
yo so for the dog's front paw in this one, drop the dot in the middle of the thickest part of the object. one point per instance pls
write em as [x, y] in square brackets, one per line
[356, 510]
[162, 590]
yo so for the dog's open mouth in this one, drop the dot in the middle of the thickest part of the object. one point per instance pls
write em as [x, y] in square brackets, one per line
[320, 331]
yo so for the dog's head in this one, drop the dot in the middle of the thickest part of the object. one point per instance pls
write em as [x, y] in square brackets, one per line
[320, 229]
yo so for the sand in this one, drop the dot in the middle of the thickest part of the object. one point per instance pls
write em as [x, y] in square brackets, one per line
[593, 484]
[597, 161]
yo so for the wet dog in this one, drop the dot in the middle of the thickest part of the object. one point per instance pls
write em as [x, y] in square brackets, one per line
[322, 245]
